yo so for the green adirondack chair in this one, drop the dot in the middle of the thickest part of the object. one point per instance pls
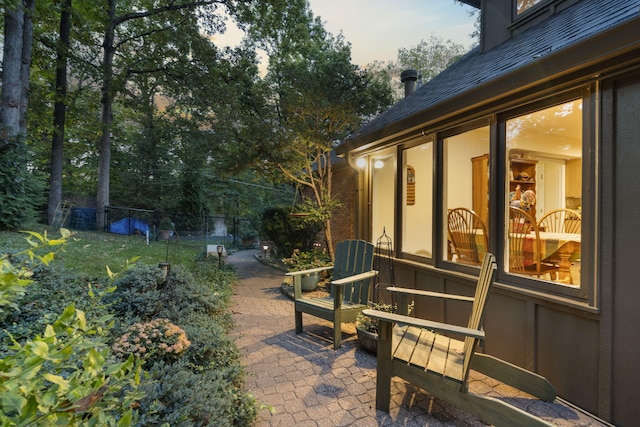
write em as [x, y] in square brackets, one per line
[418, 351]
[349, 288]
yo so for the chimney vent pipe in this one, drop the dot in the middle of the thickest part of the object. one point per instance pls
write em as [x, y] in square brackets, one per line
[409, 78]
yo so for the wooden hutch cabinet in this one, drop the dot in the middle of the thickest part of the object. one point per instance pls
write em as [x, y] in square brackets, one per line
[480, 183]
[523, 173]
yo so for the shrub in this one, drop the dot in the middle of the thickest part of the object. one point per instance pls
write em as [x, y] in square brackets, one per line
[305, 260]
[204, 385]
[21, 190]
[211, 347]
[52, 289]
[288, 233]
[158, 339]
[178, 395]
[138, 296]
[66, 374]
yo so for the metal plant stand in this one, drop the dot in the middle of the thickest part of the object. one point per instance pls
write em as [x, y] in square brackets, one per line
[383, 263]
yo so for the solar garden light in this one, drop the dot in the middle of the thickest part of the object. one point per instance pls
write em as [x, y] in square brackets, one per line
[219, 249]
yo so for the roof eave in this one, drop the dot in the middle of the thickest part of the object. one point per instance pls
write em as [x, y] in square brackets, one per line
[474, 3]
[560, 63]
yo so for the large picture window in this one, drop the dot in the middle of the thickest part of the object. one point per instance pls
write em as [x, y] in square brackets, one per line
[524, 5]
[543, 230]
[383, 171]
[417, 200]
[466, 196]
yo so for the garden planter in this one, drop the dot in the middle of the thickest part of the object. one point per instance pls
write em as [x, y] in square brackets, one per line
[310, 281]
[164, 234]
[368, 340]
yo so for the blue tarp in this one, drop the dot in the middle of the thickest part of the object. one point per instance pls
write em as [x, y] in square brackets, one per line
[129, 226]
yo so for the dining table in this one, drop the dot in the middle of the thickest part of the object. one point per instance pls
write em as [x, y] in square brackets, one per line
[564, 247]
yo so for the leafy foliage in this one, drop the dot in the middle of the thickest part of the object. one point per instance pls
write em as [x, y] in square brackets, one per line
[287, 233]
[68, 375]
[320, 98]
[305, 260]
[205, 383]
[20, 188]
[178, 395]
[428, 57]
[65, 374]
[370, 324]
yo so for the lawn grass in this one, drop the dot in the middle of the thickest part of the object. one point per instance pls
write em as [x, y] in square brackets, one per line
[89, 253]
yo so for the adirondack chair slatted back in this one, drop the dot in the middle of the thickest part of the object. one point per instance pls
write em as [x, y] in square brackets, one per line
[485, 281]
[354, 257]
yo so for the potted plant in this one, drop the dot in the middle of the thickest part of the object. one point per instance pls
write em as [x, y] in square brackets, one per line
[166, 228]
[248, 237]
[367, 328]
[306, 260]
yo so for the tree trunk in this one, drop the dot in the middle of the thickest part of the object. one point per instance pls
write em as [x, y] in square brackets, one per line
[329, 239]
[59, 113]
[12, 64]
[106, 118]
[25, 69]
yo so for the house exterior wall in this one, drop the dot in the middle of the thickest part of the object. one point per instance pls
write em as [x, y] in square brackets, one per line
[586, 344]
[619, 263]
[589, 352]
[344, 218]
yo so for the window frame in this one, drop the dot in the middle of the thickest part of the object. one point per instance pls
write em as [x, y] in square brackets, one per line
[586, 291]
[423, 139]
[440, 208]
[530, 9]
[391, 154]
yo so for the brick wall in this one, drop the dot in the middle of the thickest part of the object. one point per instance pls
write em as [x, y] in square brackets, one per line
[343, 221]
[344, 188]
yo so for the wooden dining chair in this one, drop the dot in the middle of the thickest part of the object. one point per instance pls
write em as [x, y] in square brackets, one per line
[560, 221]
[466, 230]
[524, 246]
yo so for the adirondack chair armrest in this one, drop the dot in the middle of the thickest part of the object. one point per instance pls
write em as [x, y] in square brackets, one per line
[422, 323]
[311, 270]
[405, 294]
[354, 278]
[416, 292]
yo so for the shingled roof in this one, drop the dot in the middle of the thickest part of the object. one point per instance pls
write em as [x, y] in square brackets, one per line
[572, 27]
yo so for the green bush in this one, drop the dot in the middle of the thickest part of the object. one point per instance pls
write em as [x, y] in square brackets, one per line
[288, 233]
[180, 396]
[52, 289]
[60, 369]
[139, 295]
[143, 293]
[60, 372]
[211, 347]
[21, 189]
[204, 385]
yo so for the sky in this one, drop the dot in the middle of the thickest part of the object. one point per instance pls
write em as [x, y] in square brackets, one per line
[376, 29]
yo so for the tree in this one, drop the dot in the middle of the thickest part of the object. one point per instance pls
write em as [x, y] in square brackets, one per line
[320, 97]
[133, 27]
[60, 111]
[11, 99]
[429, 57]
[19, 186]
